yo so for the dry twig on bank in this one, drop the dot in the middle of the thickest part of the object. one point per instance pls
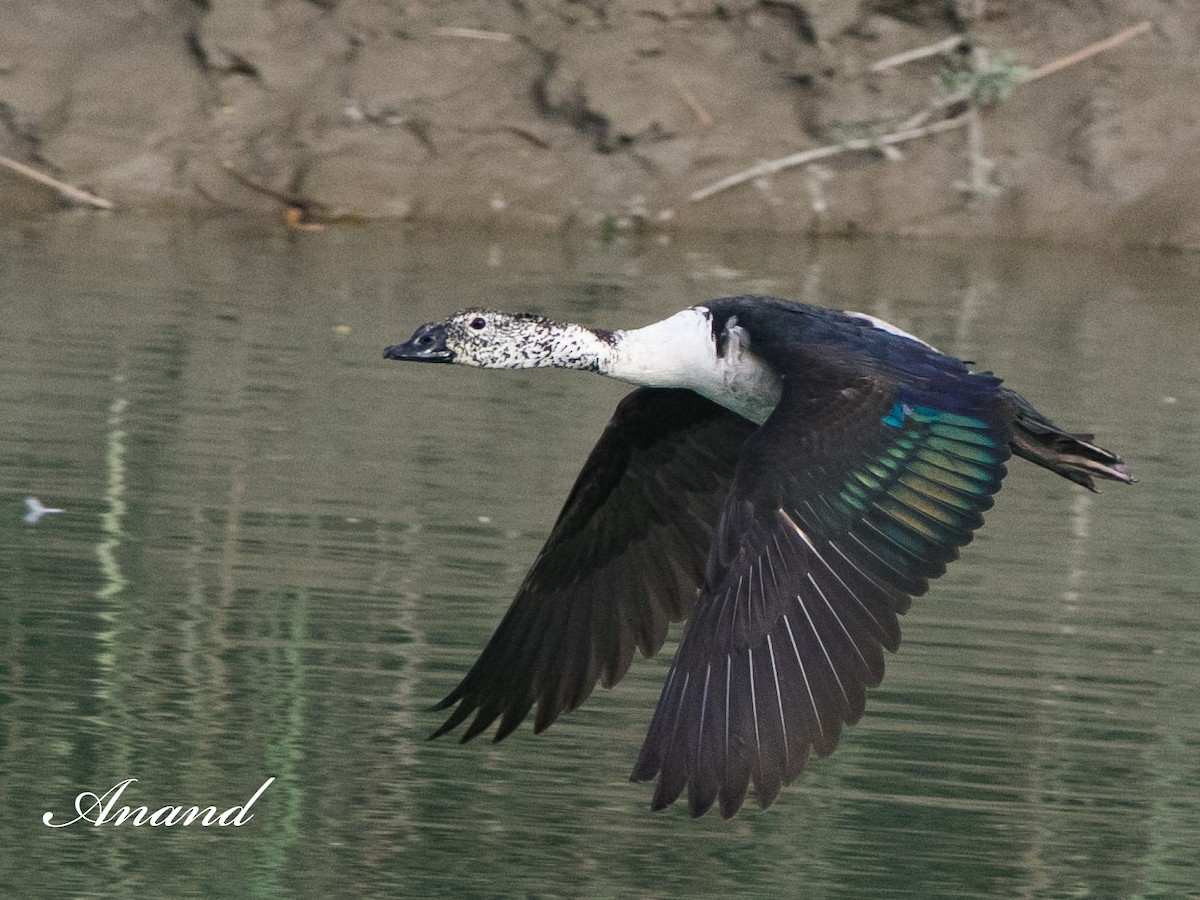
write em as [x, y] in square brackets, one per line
[934, 49]
[770, 167]
[913, 127]
[64, 190]
[698, 110]
[475, 34]
[1089, 51]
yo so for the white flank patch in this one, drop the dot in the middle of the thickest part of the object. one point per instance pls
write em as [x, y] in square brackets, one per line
[891, 329]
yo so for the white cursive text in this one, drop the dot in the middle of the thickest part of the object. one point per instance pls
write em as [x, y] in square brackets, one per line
[100, 809]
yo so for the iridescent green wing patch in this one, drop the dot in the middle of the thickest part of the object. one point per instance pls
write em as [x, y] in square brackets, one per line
[915, 498]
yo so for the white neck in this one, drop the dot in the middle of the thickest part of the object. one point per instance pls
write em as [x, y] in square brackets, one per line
[670, 353]
[680, 352]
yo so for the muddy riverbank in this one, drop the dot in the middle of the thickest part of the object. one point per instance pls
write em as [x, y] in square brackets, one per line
[610, 115]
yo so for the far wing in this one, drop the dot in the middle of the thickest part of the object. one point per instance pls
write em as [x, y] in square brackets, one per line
[625, 558]
[850, 498]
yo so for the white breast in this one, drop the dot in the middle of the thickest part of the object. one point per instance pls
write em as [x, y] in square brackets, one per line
[745, 383]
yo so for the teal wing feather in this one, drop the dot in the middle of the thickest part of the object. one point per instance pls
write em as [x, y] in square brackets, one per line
[854, 494]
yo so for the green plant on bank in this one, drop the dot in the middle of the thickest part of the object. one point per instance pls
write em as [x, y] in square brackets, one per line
[982, 78]
[969, 188]
[977, 78]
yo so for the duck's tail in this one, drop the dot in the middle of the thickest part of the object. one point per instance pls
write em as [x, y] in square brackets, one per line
[1073, 456]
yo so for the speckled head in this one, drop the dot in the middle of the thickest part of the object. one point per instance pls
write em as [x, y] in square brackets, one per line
[489, 339]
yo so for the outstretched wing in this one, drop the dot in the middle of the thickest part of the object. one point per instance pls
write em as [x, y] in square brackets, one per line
[854, 493]
[625, 558]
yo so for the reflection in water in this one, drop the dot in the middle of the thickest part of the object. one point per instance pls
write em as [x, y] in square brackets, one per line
[277, 550]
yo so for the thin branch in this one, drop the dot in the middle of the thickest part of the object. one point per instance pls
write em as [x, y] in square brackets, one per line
[904, 134]
[285, 197]
[692, 103]
[1089, 51]
[981, 166]
[476, 34]
[935, 106]
[66, 191]
[943, 46]
[798, 159]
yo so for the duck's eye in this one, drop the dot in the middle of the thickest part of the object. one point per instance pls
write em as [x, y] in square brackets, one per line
[478, 323]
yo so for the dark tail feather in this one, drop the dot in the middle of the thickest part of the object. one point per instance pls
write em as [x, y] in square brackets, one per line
[1072, 456]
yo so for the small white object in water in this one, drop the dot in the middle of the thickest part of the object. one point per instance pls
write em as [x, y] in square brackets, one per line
[35, 510]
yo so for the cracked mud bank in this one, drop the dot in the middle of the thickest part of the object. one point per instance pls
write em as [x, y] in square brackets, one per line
[606, 113]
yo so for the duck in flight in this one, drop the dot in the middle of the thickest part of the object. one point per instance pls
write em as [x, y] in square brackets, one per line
[786, 478]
